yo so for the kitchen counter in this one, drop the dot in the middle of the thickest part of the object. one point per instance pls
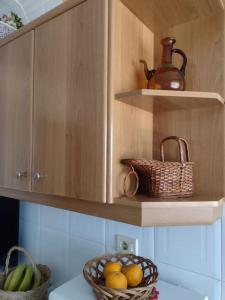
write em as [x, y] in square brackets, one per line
[78, 289]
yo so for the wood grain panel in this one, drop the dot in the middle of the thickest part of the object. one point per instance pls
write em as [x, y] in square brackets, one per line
[170, 100]
[162, 14]
[70, 103]
[133, 137]
[137, 213]
[130, 127]
[204, 130]
[16, 86]
[203, 42]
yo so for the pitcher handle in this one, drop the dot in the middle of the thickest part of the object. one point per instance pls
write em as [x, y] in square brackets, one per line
[183, 67]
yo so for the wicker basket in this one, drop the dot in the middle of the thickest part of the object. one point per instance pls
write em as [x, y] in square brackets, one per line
[93, 273]
[165, 179]
[39, 293]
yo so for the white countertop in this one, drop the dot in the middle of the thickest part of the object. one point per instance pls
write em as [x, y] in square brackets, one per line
[78, 289]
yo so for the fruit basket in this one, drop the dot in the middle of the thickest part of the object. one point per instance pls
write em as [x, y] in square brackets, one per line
[38, 280]
[94, 274]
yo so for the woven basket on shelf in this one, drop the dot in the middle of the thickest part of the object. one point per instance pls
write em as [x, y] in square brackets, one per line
[39, 293]
[162, 178]
[93, 273]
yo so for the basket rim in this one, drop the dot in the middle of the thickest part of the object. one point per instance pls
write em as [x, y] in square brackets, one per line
[96, 259]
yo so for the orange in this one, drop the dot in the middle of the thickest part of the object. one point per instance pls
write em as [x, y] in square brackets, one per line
[116, 280]
[111, 267]
[134, 275]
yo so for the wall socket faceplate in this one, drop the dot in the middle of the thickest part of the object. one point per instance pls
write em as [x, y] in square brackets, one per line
[126, 244]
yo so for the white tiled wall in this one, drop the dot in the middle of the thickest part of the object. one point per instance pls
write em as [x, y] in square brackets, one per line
[196, 249]
[223, 291]
[66, 240]
[187, 256]
[28, 9]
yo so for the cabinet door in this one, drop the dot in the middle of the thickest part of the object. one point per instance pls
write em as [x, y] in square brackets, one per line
[70, 104]
[16, 94]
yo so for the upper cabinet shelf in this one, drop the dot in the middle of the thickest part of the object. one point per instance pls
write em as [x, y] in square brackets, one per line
[172, 13]
[170, 100]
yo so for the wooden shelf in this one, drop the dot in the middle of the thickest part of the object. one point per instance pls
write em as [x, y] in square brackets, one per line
[154, 14]
[169, 100]
[139, 211]
[183, 211]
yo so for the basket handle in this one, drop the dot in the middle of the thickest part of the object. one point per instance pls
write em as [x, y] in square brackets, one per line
[181, 142]
[125, 191]
[26, 253]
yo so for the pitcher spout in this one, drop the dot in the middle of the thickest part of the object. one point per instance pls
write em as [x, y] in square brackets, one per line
[148, 73]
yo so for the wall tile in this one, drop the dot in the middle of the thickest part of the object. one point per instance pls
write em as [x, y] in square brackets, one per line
[194, 248]
[53, 249]
[223, 246]
[65, 248]
[223, 291]
[54, 218]
[29, 235]
[203, 285]
[144, 235]
[81, 251]
[87, 227]
[30, 212]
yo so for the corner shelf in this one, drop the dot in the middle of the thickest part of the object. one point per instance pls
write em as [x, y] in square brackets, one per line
[178, 211]
[169, 100]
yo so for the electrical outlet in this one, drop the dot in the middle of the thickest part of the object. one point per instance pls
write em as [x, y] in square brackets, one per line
[126, 244]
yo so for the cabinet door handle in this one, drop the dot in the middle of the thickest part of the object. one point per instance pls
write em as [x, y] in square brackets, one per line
[37, 176]
[21, 174]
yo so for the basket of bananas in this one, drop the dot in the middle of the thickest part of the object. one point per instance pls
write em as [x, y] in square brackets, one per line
[24, 282]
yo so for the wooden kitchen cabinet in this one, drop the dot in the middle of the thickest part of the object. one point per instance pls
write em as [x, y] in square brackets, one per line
[70, 104]
[197, 114]
[91, 107]
[16, 97]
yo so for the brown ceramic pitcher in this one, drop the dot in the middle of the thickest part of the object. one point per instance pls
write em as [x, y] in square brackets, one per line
[167, 76]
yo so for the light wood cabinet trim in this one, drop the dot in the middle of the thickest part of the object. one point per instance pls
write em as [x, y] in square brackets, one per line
[154, 214]
[169, 100]
[41, 20]
[175, 94]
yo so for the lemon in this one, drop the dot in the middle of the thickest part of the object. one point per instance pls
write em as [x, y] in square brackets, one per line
[111, 267]
[134, 275]
[116, 280]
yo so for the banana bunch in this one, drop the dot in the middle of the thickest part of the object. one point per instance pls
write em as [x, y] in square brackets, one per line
[22, 279]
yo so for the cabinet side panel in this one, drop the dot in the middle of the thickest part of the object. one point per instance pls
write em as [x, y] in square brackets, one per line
[70, 103]
[131, 136]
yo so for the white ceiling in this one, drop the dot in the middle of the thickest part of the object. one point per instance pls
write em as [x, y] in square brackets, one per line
[27, 9]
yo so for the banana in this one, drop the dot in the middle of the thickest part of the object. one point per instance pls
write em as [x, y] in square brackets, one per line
[7, 281]
[27, 279]
[16, 278]
[37, 279]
